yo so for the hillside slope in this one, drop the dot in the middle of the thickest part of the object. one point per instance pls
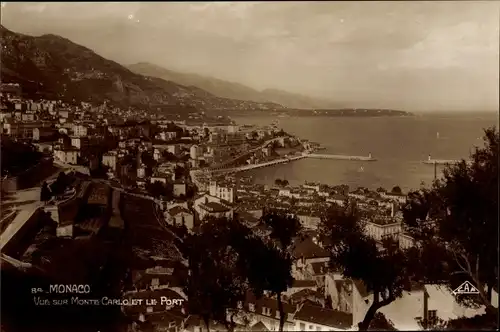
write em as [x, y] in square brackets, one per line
[233, 90]
[53, 67]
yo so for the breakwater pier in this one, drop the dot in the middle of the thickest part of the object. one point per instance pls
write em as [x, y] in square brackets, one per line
[289, 159]
[339, 157]
[431, 161]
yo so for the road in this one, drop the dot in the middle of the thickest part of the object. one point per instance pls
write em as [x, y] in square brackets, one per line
[26, 201]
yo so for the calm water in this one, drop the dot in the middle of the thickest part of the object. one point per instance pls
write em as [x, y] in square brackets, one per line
[399, 145]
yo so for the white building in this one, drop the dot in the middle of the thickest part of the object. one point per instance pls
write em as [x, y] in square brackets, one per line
[179, 215]
[67, 156]
[431, 301]
[195, 152]
[204, 207]
[315, 318]
[79, 130]
[401, 198]
[226, 193]
[109, 159]
[141, 171]
[179, 189]
[79, 142]
[380, 229]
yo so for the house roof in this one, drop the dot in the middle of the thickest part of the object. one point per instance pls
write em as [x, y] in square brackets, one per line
[214, 207]
[267, 302]
[143, 279]
[308, 249]
[322, 316]
[338, 197]
[68, 212]
[305, 293]
[259, 327]
[194, 321]
[99, 194]
[163, 320]
[304, 283]
[178, 209]
[248, 218]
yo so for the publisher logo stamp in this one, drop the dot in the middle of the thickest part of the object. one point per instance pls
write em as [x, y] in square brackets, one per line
[465, 289]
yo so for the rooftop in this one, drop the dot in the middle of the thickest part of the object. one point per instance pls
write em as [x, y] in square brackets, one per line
[178, 209]
[214, 207]
[323, 316]
[308, 249]
[304, 283]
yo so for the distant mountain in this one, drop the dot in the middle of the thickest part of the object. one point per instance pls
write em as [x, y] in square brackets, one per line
[232, 90]
[53, 67]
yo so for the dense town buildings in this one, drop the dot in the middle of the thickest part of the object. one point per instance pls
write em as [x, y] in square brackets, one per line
[170, 167]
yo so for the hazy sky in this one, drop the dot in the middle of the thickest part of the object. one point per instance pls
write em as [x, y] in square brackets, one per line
[410, 55]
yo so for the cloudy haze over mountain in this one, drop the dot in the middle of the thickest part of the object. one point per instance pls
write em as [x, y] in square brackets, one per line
[407, 55]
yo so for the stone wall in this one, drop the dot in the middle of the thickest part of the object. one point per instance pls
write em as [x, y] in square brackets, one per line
[22, 238]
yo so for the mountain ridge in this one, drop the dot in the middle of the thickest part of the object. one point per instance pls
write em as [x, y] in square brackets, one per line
[233, 90]
[53, 67]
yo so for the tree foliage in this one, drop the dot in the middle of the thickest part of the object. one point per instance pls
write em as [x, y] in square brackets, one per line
[274, 275]
[455, 223]
[169, 156]
[217, 278]
[158, 189]
[226, 260]
[180, 172]
[284, 227]
[384, 269]
[16, 156]
[60, 184]
[396, 190]
[45, 194]
[281, 183]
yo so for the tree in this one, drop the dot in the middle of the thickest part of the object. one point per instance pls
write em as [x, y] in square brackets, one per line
[179, 172]
[59, 186]
[148, 160]
[383, 271]
[157, 189]
[225, 261]
[457, 219]
[276, 277]
[169, 156]
[217, 279]
[278, 182]
[45, 194]
[396, 190]
[284, 227]
[270, 269]
[381, 323]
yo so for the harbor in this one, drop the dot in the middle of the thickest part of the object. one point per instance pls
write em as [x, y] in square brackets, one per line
[293, 158]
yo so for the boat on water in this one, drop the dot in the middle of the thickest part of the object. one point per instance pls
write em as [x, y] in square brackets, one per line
[437, 135]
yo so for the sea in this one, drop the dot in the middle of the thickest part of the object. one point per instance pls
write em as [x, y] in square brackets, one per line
[399, 144]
